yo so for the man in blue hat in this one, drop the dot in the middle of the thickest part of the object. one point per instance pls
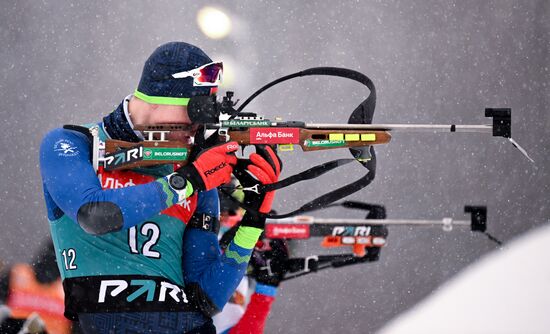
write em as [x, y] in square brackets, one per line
[124, 259]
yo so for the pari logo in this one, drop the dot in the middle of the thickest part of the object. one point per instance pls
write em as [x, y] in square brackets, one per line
[287, 231]
[123, 157]
[274, 135]
[65, 148]
[130, 291]
[352, 231]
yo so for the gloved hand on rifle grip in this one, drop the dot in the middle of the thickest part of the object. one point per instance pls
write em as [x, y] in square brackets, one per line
[212, 167]
[268, 263]
[264, 167]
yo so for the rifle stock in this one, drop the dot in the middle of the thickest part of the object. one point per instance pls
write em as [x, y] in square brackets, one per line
[121, 154]
[126, 155]
[314, 140]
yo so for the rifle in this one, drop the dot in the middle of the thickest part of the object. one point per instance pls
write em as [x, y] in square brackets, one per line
[229, 123]
[251, 129]
[361, 233]
[366, 236]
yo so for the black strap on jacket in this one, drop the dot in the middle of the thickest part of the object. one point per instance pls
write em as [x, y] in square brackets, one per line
[83, 130]
[204, 222]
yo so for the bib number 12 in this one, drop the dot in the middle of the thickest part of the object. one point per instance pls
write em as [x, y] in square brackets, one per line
[149, 230]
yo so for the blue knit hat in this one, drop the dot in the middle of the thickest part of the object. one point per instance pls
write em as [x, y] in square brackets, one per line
[157, 86]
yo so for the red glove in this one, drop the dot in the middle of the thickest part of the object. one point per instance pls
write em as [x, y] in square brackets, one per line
[212, 167]
[266, 167]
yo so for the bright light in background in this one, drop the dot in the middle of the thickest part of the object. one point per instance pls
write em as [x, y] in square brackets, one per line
[213, 22]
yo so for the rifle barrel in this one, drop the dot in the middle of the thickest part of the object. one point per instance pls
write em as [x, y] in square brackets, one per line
[342, 221]
[480, 128]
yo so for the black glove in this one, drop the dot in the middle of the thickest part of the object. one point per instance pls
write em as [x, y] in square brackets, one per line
[268, 264]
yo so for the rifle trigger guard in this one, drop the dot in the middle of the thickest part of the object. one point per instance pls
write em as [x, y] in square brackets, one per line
[268, 268]
[254, 189]
[306, 262]
[307, 267]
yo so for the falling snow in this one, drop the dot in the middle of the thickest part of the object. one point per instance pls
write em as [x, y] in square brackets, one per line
[432, 62]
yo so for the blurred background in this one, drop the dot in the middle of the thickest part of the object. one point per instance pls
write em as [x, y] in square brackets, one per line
[72, 62]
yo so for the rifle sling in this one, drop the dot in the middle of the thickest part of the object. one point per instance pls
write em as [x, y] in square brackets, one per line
[363, 114]
[317, 203]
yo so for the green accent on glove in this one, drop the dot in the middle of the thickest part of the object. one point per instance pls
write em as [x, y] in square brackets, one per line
[247, 236]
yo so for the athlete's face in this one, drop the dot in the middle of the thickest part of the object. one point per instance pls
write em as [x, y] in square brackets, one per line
[172, 114]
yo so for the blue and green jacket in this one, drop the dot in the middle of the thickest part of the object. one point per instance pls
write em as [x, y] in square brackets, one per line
[120, 237]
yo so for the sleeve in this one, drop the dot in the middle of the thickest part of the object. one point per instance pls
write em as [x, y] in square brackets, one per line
[257, 311]
[209, 203]
[218, 274]
[72, 184]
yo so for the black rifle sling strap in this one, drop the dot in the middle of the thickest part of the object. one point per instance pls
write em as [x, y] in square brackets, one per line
[363, 114]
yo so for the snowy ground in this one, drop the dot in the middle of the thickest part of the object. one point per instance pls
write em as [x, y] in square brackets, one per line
[505, 292]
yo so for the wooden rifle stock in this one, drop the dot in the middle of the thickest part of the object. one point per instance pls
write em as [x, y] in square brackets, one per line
[308, 140]
[112, 147]
[314, 140]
